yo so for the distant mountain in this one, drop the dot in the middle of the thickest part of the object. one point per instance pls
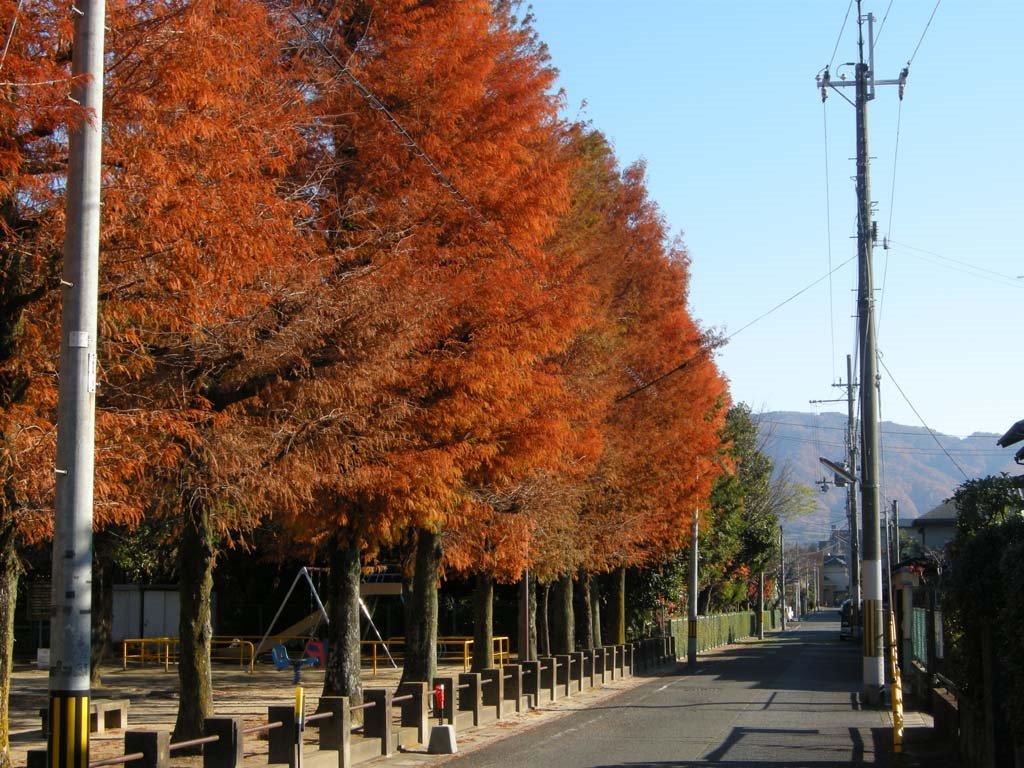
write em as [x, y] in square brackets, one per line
[915, 469]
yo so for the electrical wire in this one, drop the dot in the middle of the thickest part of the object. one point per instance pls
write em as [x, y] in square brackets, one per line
[828, 231]
[881, 26]
[930, 431]
[839, 37]
[842, 429]
[892, 205]
[925, 32]
[10, 33]
[986, 274]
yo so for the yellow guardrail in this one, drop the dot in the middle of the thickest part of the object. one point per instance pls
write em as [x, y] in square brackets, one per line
[165, 650]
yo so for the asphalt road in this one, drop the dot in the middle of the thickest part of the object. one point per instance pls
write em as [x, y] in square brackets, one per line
[790, 701]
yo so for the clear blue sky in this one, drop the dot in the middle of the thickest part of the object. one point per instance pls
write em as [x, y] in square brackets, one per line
[719, 97]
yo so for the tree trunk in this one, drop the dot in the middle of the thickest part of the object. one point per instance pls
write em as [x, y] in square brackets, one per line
[196, 559]
[584, 612]
[533, 619]
[619, 606]
[595, 608]
[483, 622]
[342, 675]
[102, 607]
[420, 664]
[10, 570]
[543, 632]
[562, 623]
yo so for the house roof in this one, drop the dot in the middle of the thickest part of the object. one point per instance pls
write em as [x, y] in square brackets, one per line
[944, 514]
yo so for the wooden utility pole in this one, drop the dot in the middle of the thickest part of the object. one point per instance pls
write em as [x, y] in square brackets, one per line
[871, 556]
[71, 600]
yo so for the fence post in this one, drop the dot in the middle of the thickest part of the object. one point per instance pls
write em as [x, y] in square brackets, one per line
[336, 733]
[470, 699]
[377, 719]
[493, 690]
[576, 670]
[562, 674]
[281, 744]
[547, 678]
[611, 660]
[531, 681]
[154, 746]
[229, 749]
[513, 685]
[415, 713]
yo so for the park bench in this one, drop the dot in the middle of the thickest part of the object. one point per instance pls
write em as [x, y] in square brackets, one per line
[104, 715]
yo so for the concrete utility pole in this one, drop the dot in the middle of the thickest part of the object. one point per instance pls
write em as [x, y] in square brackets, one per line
[691, 623]
[760, 606]
[71, 599]
[896, 531]
[871, 564]
[851, 502]
[782, 575]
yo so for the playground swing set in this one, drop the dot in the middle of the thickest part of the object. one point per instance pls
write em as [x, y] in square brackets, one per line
[314, 651]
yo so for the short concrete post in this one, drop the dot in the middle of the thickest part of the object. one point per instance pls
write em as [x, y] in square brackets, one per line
[492, 682]
[547, 678]
[620, 660]
[611, 661]
[377, 719]
[448, 683]
[562, 674]
[336, 733]
[470, 697]
[229, 749]
[627, 660]
[513, 685]
[415, 712]
[576, 671]
[590, 667]
[154, 746]
[281, 741]
[672, 648]
[599, 664]
[531, 681]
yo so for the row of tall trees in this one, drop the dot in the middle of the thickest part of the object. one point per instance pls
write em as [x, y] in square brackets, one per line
[363, 290]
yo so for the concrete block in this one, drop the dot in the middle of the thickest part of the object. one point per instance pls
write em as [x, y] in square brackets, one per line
[442, 740]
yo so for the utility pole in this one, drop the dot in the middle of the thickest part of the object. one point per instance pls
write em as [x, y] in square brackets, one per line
[896, 531]
[871, 564]
[691, 623]
[524, 617]
[782, 575]
[71, 597]
[760, 606]
[851, 502]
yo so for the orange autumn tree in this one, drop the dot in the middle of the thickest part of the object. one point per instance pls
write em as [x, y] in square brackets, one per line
[430, 388]
[201, 258]
[657, 447]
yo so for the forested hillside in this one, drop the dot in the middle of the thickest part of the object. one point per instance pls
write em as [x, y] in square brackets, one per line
[915, 469]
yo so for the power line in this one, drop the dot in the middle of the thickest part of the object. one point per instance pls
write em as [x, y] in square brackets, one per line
[839, 37]
[1010, 279]
[841, 429]
[881, 26]
[926, 26]
[828, 231]
[930, 431]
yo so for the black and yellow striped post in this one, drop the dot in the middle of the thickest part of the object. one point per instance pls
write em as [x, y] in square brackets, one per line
[300, 724]
[68, 744]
